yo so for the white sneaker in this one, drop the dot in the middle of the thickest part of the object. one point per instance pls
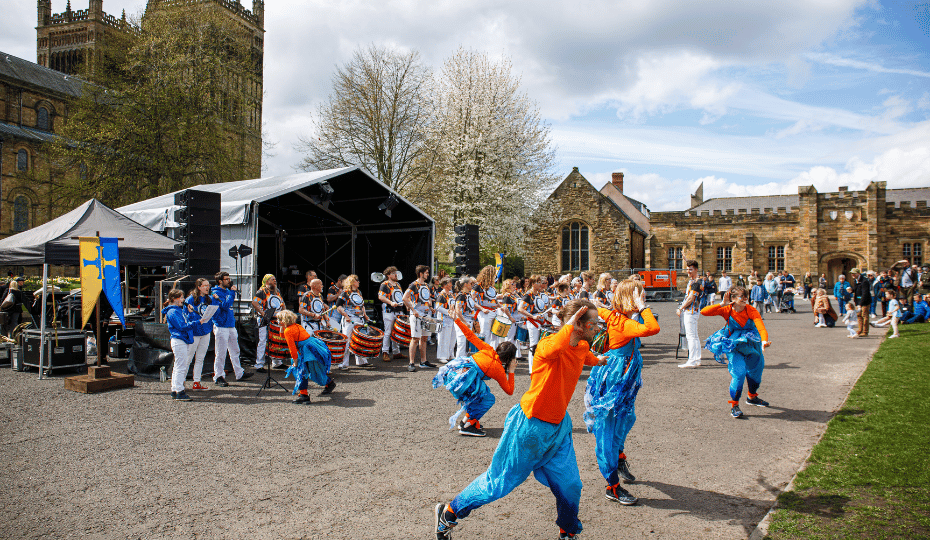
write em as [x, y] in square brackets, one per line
[873, 315]
[443, 361]
[343, 367]
[893, 336]
[689, 365]
[818, 325]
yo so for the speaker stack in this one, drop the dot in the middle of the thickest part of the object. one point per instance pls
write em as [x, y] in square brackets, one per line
[198, 247]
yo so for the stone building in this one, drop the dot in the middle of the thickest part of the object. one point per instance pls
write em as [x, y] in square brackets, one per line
[821, 233]
[580, 228]
[72, 40]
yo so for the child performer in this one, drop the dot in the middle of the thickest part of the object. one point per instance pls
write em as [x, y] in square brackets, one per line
[182, 337]
[537, 435]
[610, 395]
[742, 339]
[850, 319]
[311, 358]
[464, 377]
[892, 314]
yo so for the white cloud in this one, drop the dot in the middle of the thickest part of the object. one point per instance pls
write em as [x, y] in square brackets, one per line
[833, 60]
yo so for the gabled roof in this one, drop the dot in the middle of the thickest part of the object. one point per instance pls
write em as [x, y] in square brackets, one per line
[575, 173]
[28, 72]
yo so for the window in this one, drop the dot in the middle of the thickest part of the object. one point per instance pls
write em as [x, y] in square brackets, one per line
[676, 258]
[918, 257]
[42, 119]
[906, 251]
[22, 161]
[776, 258]
[20, 214]
[725, 258]
[575, 247]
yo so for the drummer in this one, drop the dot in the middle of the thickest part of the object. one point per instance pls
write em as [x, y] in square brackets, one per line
[266, 303]
[335, 319]
[419, 304]
[587, 285]
[601, 297]
[313, 312]
[507, 300]
[465, 310]
[351, 306]
[563, 295]
[392, 303]
[534, 306]
[445, 300]
[486, 297]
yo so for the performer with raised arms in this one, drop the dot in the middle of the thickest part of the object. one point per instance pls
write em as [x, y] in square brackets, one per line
[351, 306]
[392, 303]
[311, 359]
[224, 330]
[537, 435]
[742, 340]
[420, 305]
[610, 394]
[314, 313]
[198, 301]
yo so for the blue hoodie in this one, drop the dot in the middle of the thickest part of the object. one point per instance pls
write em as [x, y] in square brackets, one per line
[178, 324]
[758, 293]
[224, 318]
[207, 327]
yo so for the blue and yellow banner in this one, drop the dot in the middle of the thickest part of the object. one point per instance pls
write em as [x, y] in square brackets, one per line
[99, 272]
[499, 262]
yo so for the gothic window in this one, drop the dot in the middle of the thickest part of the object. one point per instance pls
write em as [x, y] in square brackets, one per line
[906, 251]
[20, 213]
[725, 258]
[918, 258]
[575, 247]
[22, 161]
[676, 258]
[776, 258]
[42, 119]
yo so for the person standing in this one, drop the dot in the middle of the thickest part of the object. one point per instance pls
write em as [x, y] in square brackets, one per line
[182, 337]
[305, 286]
[690, 312]
[862, 298]
[352, 307]
[534, 306]
[198, 301]
[391, 296]
[419, 305]
[842, 292]
[771, 287]
[710, 290]
[909, 284]
[14, 310]
[725, 283]
[224, 331]
[335, 318]
[267, 303]
[486, 296]
[465, 310]
[313, 311]
[758, 296]
[537, 435]
[808, 285]
[822, 282]
[446, 339]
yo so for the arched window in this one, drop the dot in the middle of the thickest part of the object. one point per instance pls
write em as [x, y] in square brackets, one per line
[42, 119]
[22, 161]
[20, 213]
[575, 247]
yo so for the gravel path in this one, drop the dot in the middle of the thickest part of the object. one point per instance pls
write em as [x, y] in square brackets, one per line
[371, 460]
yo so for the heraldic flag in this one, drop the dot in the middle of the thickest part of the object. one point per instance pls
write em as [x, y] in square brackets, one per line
[499, 262]
[100, 272]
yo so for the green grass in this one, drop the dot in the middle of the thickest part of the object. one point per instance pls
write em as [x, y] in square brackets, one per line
[869, 477]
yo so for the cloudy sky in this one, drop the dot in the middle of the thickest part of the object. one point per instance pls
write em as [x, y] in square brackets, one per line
[749, 98]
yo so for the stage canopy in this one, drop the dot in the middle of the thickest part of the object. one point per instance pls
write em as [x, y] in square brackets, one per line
[334, 221]
[52, 242]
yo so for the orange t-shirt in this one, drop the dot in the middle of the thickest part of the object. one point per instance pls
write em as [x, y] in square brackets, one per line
[487, 360]
[741, 317]
[556, 368]
[293, 334]
[621, 329]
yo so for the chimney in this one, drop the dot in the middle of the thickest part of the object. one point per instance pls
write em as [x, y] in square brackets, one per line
[698, 198]
[617, 180]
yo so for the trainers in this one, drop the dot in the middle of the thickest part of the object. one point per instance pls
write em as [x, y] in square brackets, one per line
[198, 386]
[689, 365]
[246, 375]
[472, 429]
[443, 525]
[302, 399]
[564, 535]
[624, 472]
[261, 369]
[443, 360]
[894, 336]
[427, 364]
[221, 382]
[757, 402]
[328, 389]
[181, 396]
[411, 368]
[618, 494]
[735, 412]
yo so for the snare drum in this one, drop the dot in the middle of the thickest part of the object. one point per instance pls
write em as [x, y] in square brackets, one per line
[429, 325]
[400, 334]
[501, 326]
[366, 341]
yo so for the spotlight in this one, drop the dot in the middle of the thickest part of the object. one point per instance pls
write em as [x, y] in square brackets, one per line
[389, 204]
[324, 198]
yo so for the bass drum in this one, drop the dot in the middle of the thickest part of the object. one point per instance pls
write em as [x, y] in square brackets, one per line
[400, 334]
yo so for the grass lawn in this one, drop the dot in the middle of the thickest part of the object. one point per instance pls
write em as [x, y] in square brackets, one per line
[869, 477]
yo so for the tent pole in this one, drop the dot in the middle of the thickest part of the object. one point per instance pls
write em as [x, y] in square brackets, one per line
[354, 236]
[42, 328]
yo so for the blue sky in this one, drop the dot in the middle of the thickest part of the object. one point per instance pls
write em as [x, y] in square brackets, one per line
[746, 97]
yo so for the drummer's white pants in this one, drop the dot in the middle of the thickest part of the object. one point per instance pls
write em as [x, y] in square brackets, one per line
[387, 343]
[227, 340]
[485, 320]
[461, 342]
[534, 339]
[348, 325]
[446, 340]
[691, 332]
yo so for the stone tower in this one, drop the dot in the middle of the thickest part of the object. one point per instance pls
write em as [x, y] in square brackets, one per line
[72, 40]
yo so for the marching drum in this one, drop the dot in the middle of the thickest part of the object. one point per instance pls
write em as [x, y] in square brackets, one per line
[601, 342]
[501, 326]
[429, 325]
[335, 341]
[400, 334]
[366, 341]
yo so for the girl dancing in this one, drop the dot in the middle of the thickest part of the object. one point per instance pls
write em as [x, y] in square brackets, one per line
[311, 358]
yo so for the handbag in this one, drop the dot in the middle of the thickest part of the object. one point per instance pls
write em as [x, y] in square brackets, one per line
[8, 301]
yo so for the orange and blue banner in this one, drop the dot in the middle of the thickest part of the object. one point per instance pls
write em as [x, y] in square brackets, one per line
[499, 262]
[100, 272]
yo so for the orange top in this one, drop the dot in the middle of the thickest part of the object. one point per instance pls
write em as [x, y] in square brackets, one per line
[293, 334]
[621, 329]
[488, 360]
[556, 368]
[741, 317]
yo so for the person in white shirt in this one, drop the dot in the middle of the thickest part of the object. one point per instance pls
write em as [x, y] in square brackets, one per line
[724, 284]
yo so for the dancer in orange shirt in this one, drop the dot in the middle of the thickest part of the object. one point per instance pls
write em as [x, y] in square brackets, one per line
[311, 358]
[537, 436]
[610, 394]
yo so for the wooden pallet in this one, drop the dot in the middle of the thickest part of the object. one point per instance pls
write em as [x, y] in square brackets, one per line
[99, 379]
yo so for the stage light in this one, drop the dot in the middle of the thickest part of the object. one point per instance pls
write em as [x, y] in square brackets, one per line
[389, 204]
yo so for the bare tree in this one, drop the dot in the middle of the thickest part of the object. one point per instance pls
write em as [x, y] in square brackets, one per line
[374, 118]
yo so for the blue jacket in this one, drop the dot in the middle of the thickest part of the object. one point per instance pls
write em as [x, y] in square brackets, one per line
[178, 324]
[224, 318]
[839, 291]
[207, 327]
[922, 308]
[758, 294]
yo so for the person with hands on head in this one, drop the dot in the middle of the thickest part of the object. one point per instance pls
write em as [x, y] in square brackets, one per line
[742, 340]
[537, 437]
[224, 331]
[611, 390]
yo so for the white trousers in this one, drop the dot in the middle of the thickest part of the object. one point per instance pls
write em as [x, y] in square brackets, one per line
[182, 361]
[461, 342]
[534, 339]
[446, 340]
[485, 320]
[198, 350]
[387, 344]
[227, 340]
[262, 345]
[347, 326]
[691, 332]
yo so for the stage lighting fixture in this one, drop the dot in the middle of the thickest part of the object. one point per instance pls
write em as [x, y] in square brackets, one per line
[389, 204]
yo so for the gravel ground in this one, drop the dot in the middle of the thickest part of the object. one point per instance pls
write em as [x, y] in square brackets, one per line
[371, 460]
